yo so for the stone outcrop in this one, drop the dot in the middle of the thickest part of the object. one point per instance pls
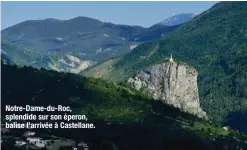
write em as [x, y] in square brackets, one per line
[172, 82]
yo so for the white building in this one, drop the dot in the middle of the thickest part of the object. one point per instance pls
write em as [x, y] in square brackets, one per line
[29, 133]
[37, 141]
[225, 128]
[20, 143]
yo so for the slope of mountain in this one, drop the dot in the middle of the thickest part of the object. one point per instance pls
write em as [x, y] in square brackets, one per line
[177, 19]
[155, 32]
[43, 59]
[117, 111]
[5, 58]
[215, 43]
[18, 55]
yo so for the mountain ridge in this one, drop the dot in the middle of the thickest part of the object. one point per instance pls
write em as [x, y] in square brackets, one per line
[83, 37]
[177, 19]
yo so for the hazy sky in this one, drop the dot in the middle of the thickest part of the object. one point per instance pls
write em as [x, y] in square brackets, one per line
[131, 13]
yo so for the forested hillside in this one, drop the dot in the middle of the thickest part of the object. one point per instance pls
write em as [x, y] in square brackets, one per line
[124, 109]
[215, 42]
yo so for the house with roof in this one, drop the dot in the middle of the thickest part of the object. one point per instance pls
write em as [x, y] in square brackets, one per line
[37, 141]
[29, 133]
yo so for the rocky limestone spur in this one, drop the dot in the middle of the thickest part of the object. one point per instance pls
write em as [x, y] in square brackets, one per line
[172, 82]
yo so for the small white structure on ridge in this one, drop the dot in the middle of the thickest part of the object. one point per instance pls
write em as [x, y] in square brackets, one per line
[171, 59]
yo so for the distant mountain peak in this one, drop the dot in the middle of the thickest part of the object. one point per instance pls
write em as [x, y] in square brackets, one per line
[83, 19]
[51, 19]
[177, 19]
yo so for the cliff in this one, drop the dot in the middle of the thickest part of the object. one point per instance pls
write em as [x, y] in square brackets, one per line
[172, 82]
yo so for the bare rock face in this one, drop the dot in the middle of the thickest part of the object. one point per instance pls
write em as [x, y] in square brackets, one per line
[172, 82]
